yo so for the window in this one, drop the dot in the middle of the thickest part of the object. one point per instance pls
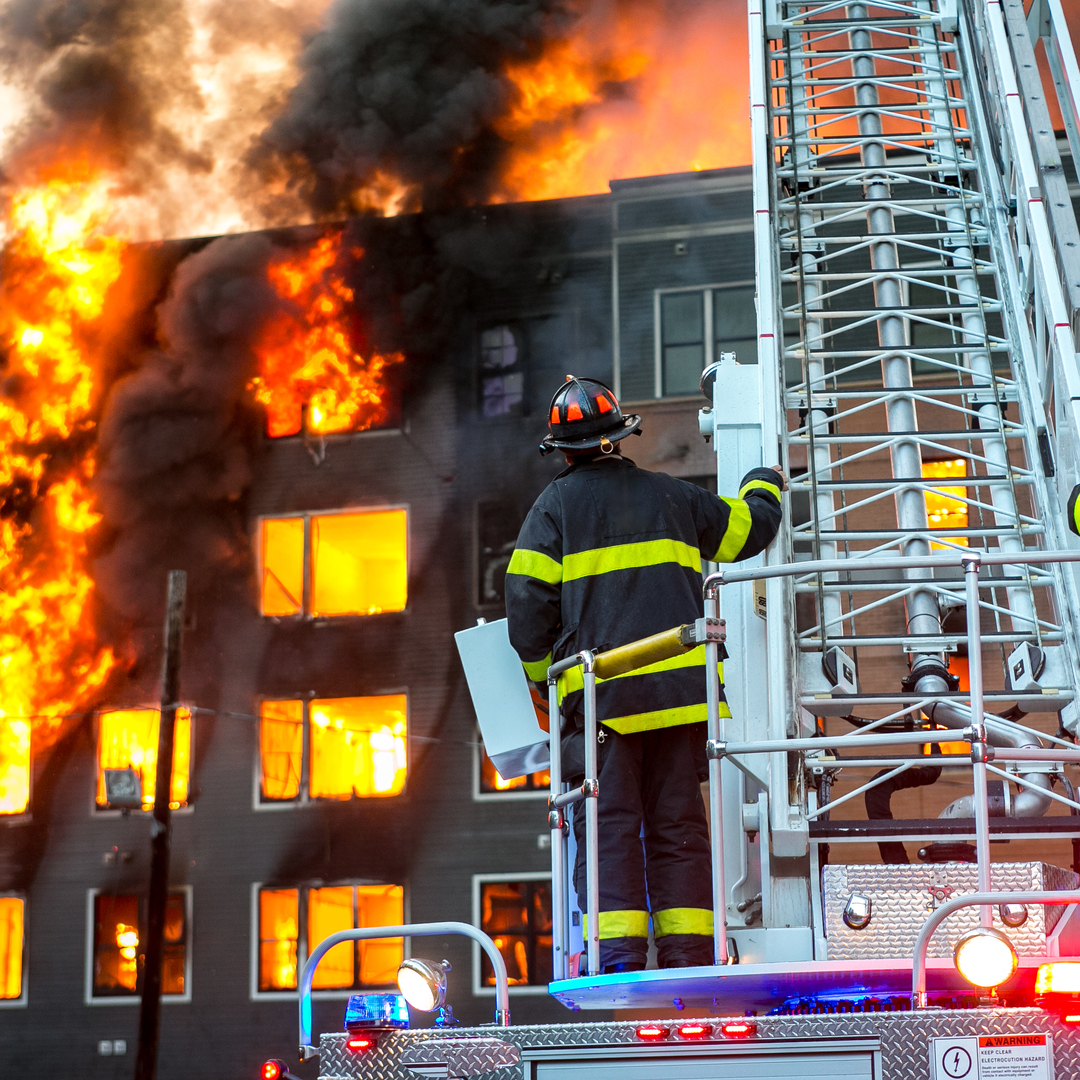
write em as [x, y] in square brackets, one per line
[497, 528]
[128, 739]
[293, 921]
[325, 565]
[356, 747]
[945, 506]
[118, 943]
[14, 766]
[491, 783]
[11, 947]
[502, 374]
[515, 911]
[695, 326]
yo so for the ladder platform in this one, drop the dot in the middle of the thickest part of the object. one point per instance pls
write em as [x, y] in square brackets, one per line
[739, 988]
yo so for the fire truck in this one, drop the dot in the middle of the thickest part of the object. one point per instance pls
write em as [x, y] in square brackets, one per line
[916, 621]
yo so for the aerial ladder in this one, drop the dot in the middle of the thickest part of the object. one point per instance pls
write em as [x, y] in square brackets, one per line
[916, 626]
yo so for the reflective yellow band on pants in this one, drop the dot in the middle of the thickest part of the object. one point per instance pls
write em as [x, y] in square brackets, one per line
[620, 924]
[683, 920]
[574, 679]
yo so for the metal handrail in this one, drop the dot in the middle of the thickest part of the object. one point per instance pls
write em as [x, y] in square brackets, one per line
[367, 933]
[985, 899]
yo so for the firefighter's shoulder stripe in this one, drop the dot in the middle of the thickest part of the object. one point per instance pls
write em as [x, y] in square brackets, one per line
[760, 485]
[604, 560]
[537, 669]
[535, 564]
[738, 529]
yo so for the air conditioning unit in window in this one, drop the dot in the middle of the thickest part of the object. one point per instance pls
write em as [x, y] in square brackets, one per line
[123, 789]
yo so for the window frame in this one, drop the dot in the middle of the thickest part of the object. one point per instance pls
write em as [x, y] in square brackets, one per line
[304, 614]
[302, 953]
[135, 999]
[24, 815]
[478, 989]
[513, 795]
[708, 328]
[106, 812]
[303, 797]
[23, 999]
[521, 366]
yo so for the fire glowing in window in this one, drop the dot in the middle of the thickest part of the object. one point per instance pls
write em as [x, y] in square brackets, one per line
[491, 781]
[128, 739]
[119, 945]
[14, 765]
[945, 506]
[357, 564]
[310, 376]
[517, 916]
[358, 747]
[325, 911]
[11, 947]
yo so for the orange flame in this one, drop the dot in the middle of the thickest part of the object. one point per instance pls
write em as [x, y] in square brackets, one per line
[58, 267]
[658, 90]
[305, 357]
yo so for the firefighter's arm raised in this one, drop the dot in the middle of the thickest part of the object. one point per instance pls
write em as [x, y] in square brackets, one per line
[534, 592]
[733, 529]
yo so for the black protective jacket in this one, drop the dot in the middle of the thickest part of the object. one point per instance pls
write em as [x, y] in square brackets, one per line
[611, 553]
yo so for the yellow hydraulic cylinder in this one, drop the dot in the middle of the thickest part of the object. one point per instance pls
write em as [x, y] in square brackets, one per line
[639, 654]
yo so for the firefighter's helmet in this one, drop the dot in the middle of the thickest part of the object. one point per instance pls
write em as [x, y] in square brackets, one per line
[584, 414]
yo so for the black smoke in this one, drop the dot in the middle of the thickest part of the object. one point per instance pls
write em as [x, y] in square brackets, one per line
[408, 89]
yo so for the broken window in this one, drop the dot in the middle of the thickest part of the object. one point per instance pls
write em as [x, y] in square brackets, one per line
[14, 766]
[502, 372]
[128, 739]
[325, 565]
[517, 917]
[945, 506]
[292, 922]
[491, 783]
[11, 947]
[357, 747]
[119, 945]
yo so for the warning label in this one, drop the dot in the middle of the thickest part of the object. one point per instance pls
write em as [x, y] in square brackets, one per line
[992, 1057]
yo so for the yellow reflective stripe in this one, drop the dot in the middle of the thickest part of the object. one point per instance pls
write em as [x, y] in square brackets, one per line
[616, 924]
[537, 669]
[574, 679]
[683, 920]
[535, 564]
[738, 529]
[1076, 516]
[760, 485]
[629, 557]
[662, 718]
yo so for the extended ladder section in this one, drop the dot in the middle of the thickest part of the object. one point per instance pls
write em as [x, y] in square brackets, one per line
[918, 275]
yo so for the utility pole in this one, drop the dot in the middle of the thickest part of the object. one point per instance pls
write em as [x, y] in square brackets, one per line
[160, 832]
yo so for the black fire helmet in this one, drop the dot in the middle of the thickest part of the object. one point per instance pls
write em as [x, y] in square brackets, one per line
[584, 413]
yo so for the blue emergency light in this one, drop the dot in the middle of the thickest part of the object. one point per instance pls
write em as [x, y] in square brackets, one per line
[366, 1012]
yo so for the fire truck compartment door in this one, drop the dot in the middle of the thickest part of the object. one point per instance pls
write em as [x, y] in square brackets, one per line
[686, 1061]
[509, 726]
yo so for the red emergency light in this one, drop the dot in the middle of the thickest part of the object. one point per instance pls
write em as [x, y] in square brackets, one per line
[1071, 1018]
[359, 1043]
[694, 1030]
[738, 1029]
[652, 1032]
[272, 1070]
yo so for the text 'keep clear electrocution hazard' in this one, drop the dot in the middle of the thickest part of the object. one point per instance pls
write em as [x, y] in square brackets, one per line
[992, 1057]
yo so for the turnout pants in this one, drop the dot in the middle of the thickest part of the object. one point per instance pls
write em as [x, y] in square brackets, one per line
[654, 845]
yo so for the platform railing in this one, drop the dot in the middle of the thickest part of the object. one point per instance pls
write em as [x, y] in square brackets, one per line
[640, 654]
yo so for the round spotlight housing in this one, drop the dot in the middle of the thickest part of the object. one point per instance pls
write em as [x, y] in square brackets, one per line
[423, 983]
[1013, 915]
[985, 957]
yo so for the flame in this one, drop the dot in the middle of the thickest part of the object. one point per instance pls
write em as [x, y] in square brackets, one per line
[305, 357]
[657, 90]
[58, 268]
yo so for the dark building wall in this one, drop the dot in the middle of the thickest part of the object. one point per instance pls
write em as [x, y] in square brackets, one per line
[546, 271]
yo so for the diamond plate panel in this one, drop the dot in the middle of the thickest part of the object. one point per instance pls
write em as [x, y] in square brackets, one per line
[905, 1040]
[903, 896]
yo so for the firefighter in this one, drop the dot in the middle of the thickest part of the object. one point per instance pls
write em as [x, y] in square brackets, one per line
[608, 554]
